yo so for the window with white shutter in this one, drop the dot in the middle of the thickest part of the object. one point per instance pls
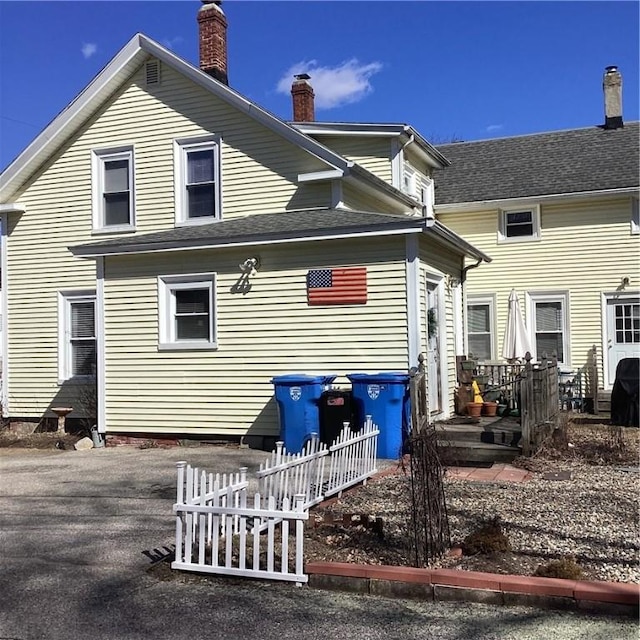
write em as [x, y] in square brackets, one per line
[550, 326]
[480, 327]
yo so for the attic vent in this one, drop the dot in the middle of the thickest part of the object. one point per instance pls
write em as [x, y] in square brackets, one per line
[152, 72]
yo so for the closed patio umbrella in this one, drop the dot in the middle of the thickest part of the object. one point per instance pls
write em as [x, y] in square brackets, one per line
[516, 339]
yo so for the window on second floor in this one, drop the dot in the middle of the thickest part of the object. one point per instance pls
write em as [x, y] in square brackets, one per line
[113, 190]
[197, 180]
[480, 327]
[517, 225]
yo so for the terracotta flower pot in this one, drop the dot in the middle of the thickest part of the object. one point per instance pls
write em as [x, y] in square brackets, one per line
[474, 409]
[489, 409]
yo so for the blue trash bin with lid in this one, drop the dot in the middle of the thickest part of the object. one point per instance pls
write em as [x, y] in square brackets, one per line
[385, 397]
[298, 399]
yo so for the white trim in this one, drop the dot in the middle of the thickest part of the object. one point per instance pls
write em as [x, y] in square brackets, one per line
[4, 305]
[397, 155]
[317, 176]
[635, 216]
[412, 266]
[529, 200]
[536, 231]
[98, 159]
[167, 284]
[101, 367]
[490, 300]
[182, 146]
[12, 207]
[65, 298]
[179, 245]
[435, 277]
[561, 296]
[458, 320]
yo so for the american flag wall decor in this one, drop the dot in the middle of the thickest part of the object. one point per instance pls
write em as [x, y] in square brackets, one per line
[337, 286]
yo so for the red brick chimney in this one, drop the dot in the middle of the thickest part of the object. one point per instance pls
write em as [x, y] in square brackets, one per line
[303, 99]
[213, 40]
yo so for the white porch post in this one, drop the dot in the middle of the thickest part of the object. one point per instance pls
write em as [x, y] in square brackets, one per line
[414, 322]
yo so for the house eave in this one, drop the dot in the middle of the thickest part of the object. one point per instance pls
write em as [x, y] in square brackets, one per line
[87, 251]
[453, 240]
[506, 203]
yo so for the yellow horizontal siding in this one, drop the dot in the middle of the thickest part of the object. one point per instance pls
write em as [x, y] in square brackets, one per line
[585, 248]
[259, 175]
[268, 331]
[374, 154]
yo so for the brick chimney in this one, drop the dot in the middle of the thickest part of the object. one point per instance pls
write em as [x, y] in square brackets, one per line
[303, 99]
[612, 86]
[213, 40]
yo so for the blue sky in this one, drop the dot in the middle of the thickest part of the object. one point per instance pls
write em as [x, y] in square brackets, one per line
[464, 70]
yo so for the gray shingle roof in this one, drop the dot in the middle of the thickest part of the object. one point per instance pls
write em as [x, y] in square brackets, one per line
[570, 161]
[257, 228]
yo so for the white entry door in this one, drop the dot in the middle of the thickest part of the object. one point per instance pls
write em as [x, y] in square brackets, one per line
[623, 331]
[434, 346]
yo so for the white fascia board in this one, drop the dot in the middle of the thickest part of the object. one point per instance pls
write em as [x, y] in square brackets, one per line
[125, 62]
[318, 176]
[531, 200]
[12, 207]
[365, 180]
[427, 152]
[180, 246]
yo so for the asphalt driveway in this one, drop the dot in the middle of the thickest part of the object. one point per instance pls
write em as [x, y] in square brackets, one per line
[79, 529]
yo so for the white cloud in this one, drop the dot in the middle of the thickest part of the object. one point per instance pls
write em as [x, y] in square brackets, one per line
[88, 49]
[333, 86]
[170, 43]
[494, 127]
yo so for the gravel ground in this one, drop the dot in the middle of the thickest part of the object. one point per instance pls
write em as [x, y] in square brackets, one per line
[592, 517]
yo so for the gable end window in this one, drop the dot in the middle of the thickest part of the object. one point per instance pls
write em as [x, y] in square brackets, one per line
[197, 180]
[113, 190]
[187, 312]
[518, 225]
[77, 336]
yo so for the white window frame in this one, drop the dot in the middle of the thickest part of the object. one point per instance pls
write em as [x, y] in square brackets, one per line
[167, 285]
[635, 216]
[535, 221]
[65, 352]
[98, 159]
[490, 301]
[549, 296]
[181, 147]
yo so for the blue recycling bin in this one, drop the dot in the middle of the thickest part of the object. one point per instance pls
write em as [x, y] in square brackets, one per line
[298, 399]
[385, 397]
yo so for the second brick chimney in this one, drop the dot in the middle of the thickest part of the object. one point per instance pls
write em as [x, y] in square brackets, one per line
[213, 40]
[303, 99]
[612, 87]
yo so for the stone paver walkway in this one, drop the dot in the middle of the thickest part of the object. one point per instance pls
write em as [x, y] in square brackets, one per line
[495, 473]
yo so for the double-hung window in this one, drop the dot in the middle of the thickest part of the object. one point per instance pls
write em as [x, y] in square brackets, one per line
[113, 190]
[77, 335]
[518, 225]
[197, 173]
[549, 325]
[480, 327]
[187, 311]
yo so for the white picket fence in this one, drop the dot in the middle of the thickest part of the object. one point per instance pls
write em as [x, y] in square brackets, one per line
[219, 529]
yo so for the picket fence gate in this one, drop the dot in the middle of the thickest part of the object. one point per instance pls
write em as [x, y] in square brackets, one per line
[220, 527]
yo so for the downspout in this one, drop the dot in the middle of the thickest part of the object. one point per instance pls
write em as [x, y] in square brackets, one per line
[463, 278]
